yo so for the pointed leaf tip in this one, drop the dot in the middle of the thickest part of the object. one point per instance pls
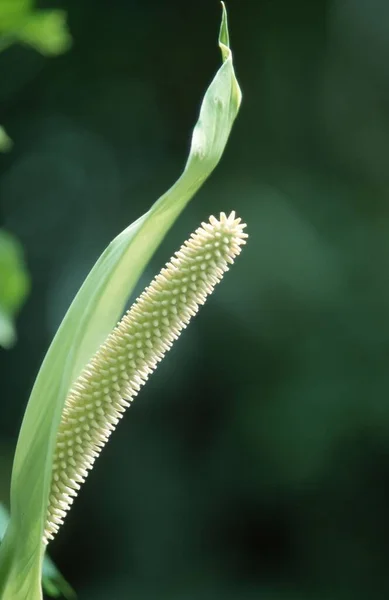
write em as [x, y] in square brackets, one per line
[224, 38]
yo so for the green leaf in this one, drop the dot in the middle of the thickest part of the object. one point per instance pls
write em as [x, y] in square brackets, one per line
[54, 583]
[12, 12]
[46, 31]
[90, 318]
[14, 285]
[7, 330]
[5, 141]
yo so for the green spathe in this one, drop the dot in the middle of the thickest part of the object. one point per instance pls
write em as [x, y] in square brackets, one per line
[90, 318]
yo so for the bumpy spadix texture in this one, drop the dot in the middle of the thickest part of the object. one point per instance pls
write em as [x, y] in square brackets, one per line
[113, 377]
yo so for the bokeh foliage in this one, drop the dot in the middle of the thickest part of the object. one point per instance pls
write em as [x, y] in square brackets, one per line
[256, 468]
[14, 285]
[45, 31]
[21, 21]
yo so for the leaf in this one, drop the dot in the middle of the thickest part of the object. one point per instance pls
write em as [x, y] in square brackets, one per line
[44, 30]
[14, 286]
[5, 141]
[7, 330]
[54, 583]
[90, 318]
[12, 12]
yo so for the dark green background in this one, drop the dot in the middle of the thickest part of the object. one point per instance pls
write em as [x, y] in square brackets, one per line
[255, 463]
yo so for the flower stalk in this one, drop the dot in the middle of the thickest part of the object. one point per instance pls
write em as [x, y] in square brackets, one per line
[123, 363]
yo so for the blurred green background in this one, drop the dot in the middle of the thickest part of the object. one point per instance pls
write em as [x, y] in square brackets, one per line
[255, 463]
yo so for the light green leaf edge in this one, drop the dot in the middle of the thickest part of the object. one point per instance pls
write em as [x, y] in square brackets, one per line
[54, 583]
[90, 318]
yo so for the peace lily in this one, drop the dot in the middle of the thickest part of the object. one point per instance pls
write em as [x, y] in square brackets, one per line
[86, 347]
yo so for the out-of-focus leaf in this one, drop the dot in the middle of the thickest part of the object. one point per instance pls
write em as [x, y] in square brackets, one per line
[90, 318]
[12, 12]
[54, 584]
[46, 31]
[14, 285]
[5, 141]
[7, 330]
